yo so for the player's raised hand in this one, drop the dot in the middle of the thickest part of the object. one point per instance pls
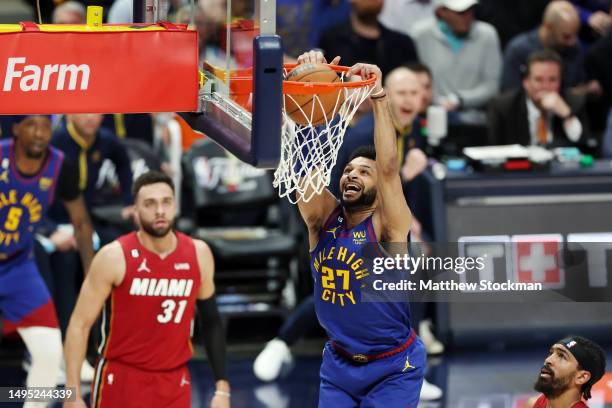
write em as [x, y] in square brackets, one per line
[316, 57]
[366, 71]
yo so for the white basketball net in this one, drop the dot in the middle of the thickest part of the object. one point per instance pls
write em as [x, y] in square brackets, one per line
[309, 153]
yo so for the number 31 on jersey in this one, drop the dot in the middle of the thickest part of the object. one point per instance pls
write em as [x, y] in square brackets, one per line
[168, 307]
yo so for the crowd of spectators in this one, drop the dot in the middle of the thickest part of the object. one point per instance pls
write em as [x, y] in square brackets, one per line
[475, 49]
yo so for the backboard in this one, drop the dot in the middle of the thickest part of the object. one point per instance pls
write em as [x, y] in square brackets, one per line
[241, 111]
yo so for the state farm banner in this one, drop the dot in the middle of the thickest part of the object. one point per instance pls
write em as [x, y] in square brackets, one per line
[99, 72]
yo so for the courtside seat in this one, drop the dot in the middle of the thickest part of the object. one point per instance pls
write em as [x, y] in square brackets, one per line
[235, 209]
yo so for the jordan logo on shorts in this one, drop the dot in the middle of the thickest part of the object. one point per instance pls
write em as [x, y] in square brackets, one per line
[184, 381]
[407, 365]
[143, 266]
[110, 378]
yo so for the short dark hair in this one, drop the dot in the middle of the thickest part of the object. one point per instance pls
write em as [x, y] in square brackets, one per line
[151, 177]
[419, 68]
[545, 55]
[367, 151]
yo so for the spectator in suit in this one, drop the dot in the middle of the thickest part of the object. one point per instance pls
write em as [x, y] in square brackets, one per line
[537, 113]
[363, 39]
[465, 58]
[558, 31]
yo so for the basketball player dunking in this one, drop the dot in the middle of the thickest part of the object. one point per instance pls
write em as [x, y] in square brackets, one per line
[373, 358]
[150, 280]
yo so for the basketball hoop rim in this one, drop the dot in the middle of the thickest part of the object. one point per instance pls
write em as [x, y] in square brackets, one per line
[313, 88]
[242, 81]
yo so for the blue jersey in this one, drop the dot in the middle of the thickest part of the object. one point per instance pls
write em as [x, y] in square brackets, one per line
[23, 202]
[340, 270]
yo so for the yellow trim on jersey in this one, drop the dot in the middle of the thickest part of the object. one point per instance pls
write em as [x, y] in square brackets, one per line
[120, 130]
[400, 150]
[401, 132]
[76, 136]
[82, 155]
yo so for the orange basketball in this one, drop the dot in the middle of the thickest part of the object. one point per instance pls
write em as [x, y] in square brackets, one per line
[313, 111]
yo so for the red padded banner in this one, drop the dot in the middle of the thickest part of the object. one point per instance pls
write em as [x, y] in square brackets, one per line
[98, 72]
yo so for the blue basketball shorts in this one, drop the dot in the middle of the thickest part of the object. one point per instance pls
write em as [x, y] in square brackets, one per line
[24, 298]
[391, 382]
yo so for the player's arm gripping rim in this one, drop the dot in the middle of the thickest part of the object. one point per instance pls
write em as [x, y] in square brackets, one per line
[83, 230]
[392, 219]
[213, 331]
[107, 270]
[317, 209]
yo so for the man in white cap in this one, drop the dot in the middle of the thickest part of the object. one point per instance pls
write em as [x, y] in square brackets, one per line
[464, 55]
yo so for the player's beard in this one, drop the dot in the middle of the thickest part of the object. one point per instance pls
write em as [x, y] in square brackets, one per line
[156, 232]
[553, 386]
[365, 200]
[34, 155]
